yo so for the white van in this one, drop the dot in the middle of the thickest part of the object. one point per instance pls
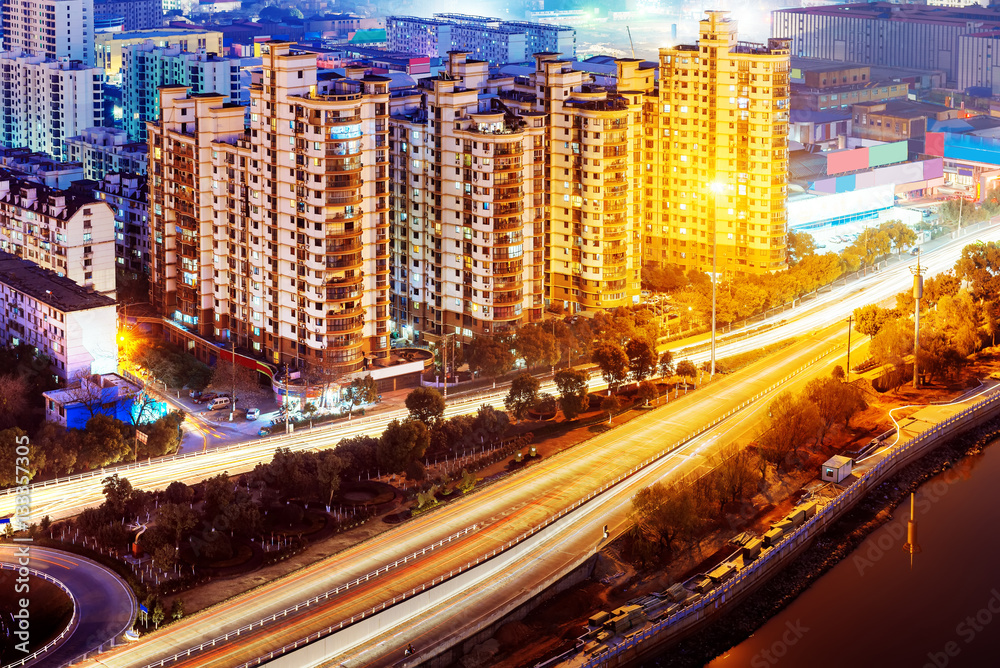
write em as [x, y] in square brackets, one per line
[217, 403]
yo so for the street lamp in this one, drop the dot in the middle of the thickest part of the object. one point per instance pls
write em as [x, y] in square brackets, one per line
[714, 188]
[918, 292]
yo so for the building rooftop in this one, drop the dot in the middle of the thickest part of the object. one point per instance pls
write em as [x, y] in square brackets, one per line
[48, 287]
[894, 12]
[903, 108]
[153, 34]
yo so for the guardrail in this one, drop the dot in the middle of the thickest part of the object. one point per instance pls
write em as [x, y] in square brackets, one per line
[482, 558]
[70, 628]
[789, 545]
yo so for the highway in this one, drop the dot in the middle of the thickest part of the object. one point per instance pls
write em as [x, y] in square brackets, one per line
[499, 513]
[106, 606]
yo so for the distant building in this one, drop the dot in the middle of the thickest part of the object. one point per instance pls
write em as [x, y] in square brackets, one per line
[109, 47]
[829, 86]
[896, 35]
[95, 394]
[64, 231]
[824, 129]
[897, 119]
[483, 38]
[135, 14]
[74, 327]
[53, 29]
[103, 150]
[147, 67]
[34, 118]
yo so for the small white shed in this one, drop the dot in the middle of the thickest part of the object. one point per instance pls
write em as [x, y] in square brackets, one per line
[836, 468]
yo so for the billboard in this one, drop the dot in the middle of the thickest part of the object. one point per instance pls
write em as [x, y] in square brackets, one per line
[877, 155]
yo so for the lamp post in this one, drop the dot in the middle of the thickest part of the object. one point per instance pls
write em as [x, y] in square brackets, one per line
[918, 292]
[714, 188]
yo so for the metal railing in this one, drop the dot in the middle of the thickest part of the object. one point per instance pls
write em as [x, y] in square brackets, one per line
[68, 631]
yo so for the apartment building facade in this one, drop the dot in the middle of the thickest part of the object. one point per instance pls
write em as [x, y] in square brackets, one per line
[45, 101]
[721, 182]
[110, 48]
[276, 238]
[64, 231]
[52, 29]
[128, 195]
[74, 327]
[146, 67]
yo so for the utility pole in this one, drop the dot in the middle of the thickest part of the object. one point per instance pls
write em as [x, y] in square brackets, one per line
[287, 424]
[918, 293]
[714, 187]
[444, 364]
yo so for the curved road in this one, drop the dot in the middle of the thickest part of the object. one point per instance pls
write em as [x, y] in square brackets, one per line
[106, 605]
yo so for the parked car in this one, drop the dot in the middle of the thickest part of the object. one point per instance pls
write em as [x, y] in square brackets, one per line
[914, 250]
[219, 402]
[264, 431]
[205, 398]
[253, 413]
[195, 394]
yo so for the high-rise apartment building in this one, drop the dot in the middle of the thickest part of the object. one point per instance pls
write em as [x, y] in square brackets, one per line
[128, 195]
[104, 150]
[720, 175]
[65, 231]
[276, 237]
[146, 67]
[53, 29]
[44, 102]
[489, 224]
[137, 14]
[110, 47]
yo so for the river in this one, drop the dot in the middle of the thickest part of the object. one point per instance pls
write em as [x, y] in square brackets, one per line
[874, 609]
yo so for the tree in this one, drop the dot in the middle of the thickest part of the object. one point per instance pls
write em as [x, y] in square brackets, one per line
[665, 516]
[452, 435]
[425, 404]
[647, 392]
[61, 448]
[892, 343]
[489, 356]
[612, 361]
[835, 401]
[792, 421]
[868, 320]
[800, 244]
[665, 367]
[870, 245]
[117, 492]
[178, 492]
[980, 265]
[235, 380]
[163, 437]
[733, 474]
[177, 609]
[536, 345]
[363, 391]
[641, 359]
[219, 494]
[176, 520]
[15, 466]
[490, 423]
[665, 278]
[13, 400]
[359, 454]
[523, 394]
[402, 443]
[105, 441]
[612, 405]
[574, 397]
[686, 369]
[901, 235]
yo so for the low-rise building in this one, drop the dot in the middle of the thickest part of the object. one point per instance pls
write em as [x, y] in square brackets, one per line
[104, 150]
[895, 120]
[134, 14]
[65, 231]
[93, 394]
[73, 326]
[38, 166]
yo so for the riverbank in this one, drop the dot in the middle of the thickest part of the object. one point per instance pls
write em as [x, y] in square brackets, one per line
[837, 543]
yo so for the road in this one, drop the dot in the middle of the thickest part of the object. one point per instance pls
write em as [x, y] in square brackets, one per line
[106, 605]
[500, 513]
[69, 497]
